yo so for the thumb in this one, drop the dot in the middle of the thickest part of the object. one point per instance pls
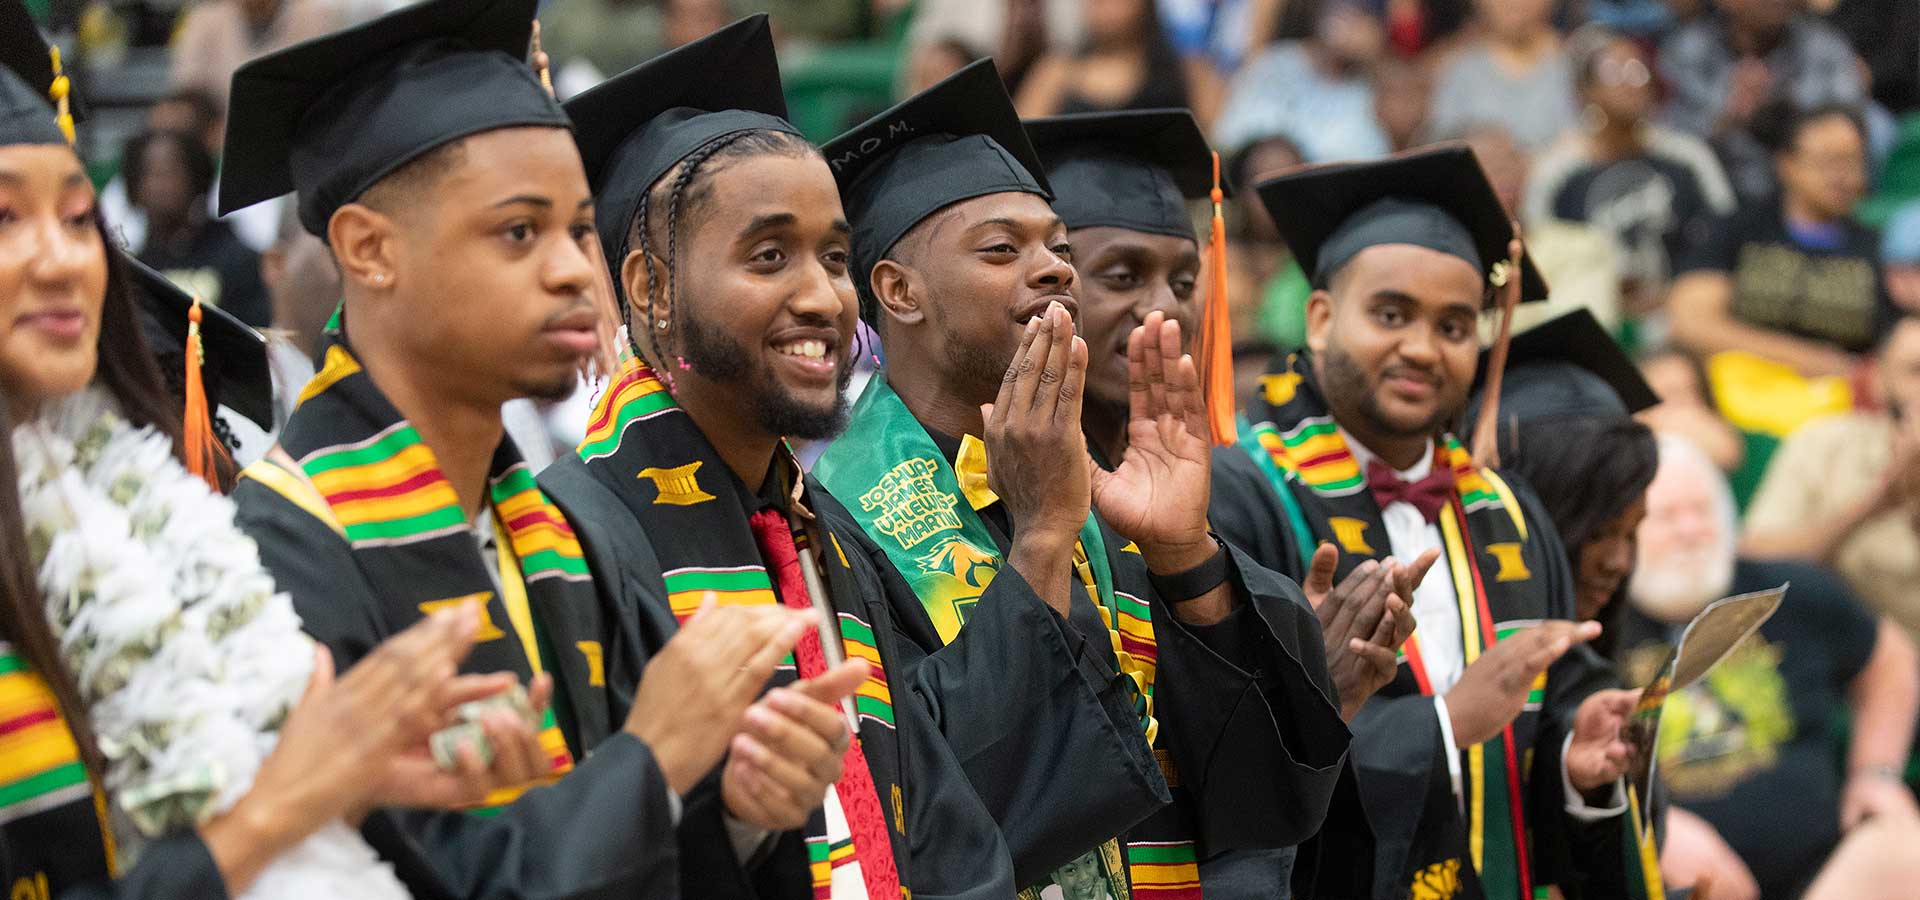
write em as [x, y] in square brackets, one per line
[836, 683]
[986, 415]
[1326, 558]
[322, 677]
[1411, 576]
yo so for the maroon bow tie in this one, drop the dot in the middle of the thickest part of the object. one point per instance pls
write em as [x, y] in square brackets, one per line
[1427, 495]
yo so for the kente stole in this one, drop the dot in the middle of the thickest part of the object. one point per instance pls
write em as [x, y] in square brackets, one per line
[52, 815]
[351, 461]
[692, 509]
[1323, 490]
[922, 512]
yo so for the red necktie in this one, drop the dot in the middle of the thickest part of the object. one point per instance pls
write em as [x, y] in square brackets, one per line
[859, 799]
[1427, 495]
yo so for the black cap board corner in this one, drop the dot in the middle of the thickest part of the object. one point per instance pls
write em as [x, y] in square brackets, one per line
[635, 127]
[1437, 197]
[954, 141]
[1132, 169]
[330, 117]
[236, 369]
[1569, 366]
[27, 107]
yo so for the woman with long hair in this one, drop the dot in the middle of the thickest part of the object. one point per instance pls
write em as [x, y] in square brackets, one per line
[1125, 62]
[167, 730]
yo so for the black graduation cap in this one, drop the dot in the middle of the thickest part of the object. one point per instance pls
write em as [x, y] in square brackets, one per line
[1133, 169]
[27, 108]
[1569, 366]
[332, 116]
[236, 373]
[634, 127]
[955, 141]
[1438, 198]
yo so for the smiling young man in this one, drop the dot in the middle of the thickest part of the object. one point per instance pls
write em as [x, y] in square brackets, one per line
[1122, 182]
[1482, 770]
[452, 197]
[965, 271]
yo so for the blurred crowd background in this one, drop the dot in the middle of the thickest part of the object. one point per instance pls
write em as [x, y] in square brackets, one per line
[1731, 186]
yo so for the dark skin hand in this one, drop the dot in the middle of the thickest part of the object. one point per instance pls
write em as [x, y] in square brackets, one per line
[1363, 620]
[1492, 691]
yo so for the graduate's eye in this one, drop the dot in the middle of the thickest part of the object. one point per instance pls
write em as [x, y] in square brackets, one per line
[1390, 316]
[767, 256]
[1183, 286]
[1063, 250]
[582, 231]
[8, 216]
[1120, 279]
[518, 232]
[1456, 329]
[1000, 249]
[835, 259]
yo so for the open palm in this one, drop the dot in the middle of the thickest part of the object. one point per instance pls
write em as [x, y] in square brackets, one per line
[1158, 494]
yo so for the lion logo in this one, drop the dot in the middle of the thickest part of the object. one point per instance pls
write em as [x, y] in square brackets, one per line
[957, 558]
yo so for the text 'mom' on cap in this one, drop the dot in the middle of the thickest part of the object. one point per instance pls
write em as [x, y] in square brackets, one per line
[1438, 198]
[635, 127]
[332, 116]
[954, 141]
[1132, 169]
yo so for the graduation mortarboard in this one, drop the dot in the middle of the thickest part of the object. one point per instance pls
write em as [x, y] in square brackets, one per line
[332, 116]
[1438, 198]
[31, 89]
[1134, 169]
[235, 371]
[636, 126]
[955, 141]
[1569, 366]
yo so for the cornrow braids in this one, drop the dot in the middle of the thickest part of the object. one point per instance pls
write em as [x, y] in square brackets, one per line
[686, 189]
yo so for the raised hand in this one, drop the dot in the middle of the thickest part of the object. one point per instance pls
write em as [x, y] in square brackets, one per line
[1157, 497]
[1492, 691]
[693, 693]
[1598, 756]
[1038, 455]
[1363, 620]
[791, 750]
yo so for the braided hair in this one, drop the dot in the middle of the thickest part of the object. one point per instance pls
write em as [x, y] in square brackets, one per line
[686, 186]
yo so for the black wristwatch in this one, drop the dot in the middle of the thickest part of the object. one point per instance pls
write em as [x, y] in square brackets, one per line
[1195, 582]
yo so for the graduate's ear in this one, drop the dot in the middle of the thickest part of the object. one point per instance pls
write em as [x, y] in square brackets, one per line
[365, 244]
[892, 285]
[1319, 320]
[639, 271]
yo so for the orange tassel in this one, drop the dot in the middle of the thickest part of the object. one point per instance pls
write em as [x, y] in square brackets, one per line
[203, 449]
[1216, 330]
[1486, 431]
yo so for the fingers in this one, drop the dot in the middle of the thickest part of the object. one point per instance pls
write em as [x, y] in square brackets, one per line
[540, 692]
[1194, 417]
[1067, 413]
[799, 729]
[322, 677]
[1381, 659]
[1347, 597]
[1370, 603]
[517, 755]
[791, 783]
[1137, 406]
[1320, 569]
[758, 668]
[1007, 384]
[1045, 400]
[468, 688]
[1156, 370]
[835, 684]
[1410, 577]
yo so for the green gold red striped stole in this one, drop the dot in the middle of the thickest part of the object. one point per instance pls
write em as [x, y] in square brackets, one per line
[40, 765]
[1164, 870]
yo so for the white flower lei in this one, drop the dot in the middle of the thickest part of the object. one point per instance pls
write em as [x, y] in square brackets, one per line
[187, 659]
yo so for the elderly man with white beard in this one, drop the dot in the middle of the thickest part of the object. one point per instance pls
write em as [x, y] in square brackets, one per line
[1748, 749]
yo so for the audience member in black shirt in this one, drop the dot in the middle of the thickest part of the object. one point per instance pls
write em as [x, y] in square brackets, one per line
[1749, 747]
[168, 176]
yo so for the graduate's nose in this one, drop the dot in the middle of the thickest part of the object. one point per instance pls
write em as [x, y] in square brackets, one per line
[821, 295]
[58, 254]
[569, 269]
[1053, 272]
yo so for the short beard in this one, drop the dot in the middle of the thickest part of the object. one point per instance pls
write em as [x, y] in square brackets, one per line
[721, 359]
[1350, 396]
[1676, 589]
[975, 372]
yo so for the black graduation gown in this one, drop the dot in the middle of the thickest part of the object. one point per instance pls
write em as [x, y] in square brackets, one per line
[602, 830]
[1247, 720]
[1398, 751]
[946, 846]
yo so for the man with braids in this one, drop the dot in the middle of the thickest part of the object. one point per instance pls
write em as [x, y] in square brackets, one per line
[1490, 765]
[965, 474]
[442, 175]
[730, 249]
